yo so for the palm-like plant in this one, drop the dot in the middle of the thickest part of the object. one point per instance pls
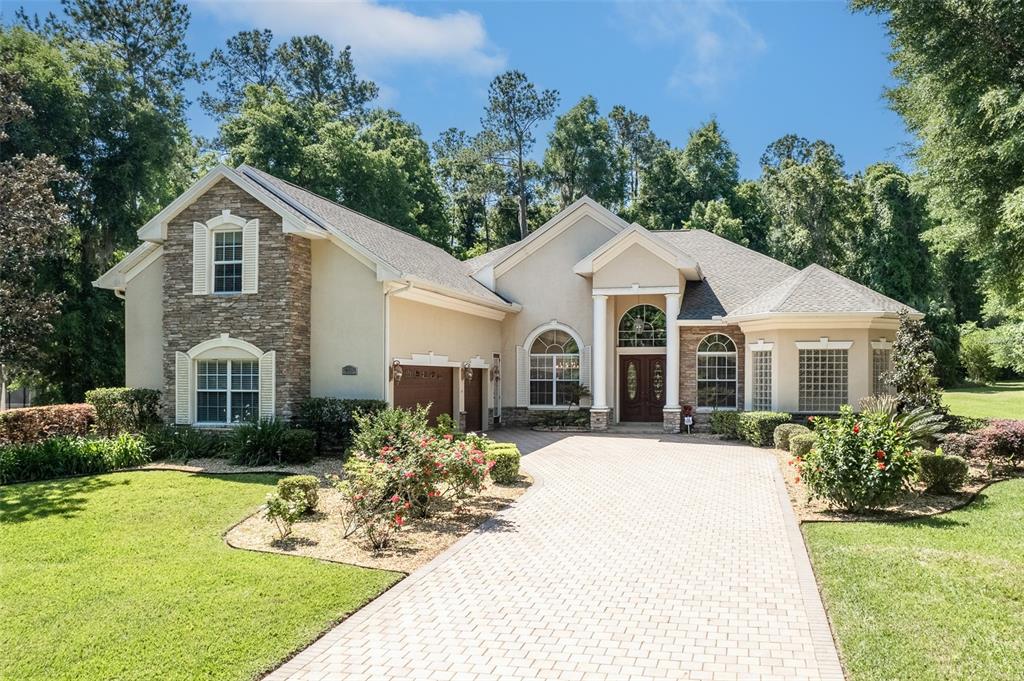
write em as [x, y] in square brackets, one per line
[920, 423]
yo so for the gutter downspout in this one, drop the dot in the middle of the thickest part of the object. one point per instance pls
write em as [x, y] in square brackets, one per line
[388, 397]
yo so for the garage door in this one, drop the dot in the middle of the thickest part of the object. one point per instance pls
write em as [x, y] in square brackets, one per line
[421, 386]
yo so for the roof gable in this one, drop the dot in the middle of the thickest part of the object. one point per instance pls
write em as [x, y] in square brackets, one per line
[635, 235]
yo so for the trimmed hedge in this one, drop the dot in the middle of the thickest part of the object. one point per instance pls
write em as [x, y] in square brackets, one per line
[34, 424]
[63, 456]
[1002, 439]
[941, 473]
[801, 445]
[726, 423]
[758, 427]
[506, 462]
[332, 420]
[783, 432]
[124, 410]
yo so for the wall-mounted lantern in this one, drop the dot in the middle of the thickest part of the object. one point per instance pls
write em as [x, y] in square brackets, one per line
[468, 370]
[396, 371]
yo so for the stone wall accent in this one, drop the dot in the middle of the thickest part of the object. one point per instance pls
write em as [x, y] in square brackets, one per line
[599, 419]
[672, 420]
[515, 417]
[276, 317]
[689, 338]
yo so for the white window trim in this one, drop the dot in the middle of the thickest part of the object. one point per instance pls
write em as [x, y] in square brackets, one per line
[186, 381]
[226, 222]
[762, 347]
[823, 343]
[881, 344]
[214, 262]
[697, 380]
[618, 329]
[227, 391]
[839, 345]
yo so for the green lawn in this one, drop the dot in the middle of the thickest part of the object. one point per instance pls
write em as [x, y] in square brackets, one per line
[935, 599]
[1003, 400]
[126, 576]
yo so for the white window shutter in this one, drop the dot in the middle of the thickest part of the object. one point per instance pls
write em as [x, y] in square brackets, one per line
[267, 384]
[200, 259]
[250, 256]
[182, 388]
[522, 377]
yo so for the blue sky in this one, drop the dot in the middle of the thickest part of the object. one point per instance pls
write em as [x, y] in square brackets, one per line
[763, 69]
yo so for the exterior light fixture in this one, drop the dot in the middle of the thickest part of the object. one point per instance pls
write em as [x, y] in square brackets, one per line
[468, 369]
[396, 371]
[638, 324]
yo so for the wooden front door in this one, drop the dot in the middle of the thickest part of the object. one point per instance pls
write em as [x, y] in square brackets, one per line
[473, 393]
[423, 385]
[641, 387]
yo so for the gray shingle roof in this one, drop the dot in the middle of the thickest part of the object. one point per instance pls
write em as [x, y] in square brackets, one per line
[815, 289]
[404, 252]
[490, 257]
[733, 274]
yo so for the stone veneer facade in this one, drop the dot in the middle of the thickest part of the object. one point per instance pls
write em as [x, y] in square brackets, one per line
[689, 338]
[276, 317]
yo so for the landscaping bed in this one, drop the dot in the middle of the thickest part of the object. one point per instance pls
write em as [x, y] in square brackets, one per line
[420, 540]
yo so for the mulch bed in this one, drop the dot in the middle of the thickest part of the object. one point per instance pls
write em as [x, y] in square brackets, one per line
[420, 540]
[916, 504]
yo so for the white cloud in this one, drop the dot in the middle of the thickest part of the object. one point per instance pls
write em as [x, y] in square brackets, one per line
[378, 34]
[714, 39]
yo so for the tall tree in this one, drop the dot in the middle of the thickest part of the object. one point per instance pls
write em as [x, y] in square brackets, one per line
[813, 206]
[961, 91]
[716, 217]
[313, 73]
[710, 163]
[34, 232]
[666, 193]
[471, 184]
[581, 157]
[248, 58]
[749, 206]
[514, 108]
[636, 145]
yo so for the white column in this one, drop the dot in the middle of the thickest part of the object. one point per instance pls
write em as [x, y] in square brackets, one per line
[598, 390]
[672, 350]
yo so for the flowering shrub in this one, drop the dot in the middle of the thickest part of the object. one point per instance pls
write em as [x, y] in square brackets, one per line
[784, 432]
[1002, 439]
[372, 506]
[284, 512]
[120, 410]
[858, 462]
[941, 473]
[758, 427]
[34, 424]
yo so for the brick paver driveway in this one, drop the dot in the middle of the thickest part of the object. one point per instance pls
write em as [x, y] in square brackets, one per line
[633, 557]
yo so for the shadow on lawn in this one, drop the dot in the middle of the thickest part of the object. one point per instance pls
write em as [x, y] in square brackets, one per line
[36, 500]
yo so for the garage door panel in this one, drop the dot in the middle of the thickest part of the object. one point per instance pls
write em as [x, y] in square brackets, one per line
[423, 385]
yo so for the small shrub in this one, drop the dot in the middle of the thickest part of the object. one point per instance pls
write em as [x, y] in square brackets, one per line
[371, 505]
[284, 513]
[964, 424]
[941, 473]
[269, 441]
[802, 443]
[63, 456]
[302, 488]
[726, 423]
[506, 464]
[859, 461]
[395, 428]
[785, 431]
[963, 445]
[880, 404]
[1002, 439]
[124, 410]
[333, 419]
[184, 443]
[758, 427]
[445, 425]
[34, 424]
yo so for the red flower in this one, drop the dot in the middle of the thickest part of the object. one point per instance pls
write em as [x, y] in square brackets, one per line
[879, 455]
[810, 419]
[410, 474]
[856, 428]
[798, 478]
[386, 450]
[399, 520]
[448, 437]
[408, 504]
[881, 465]
[395, 499]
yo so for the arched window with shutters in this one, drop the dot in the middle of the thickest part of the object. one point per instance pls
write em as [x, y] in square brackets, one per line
[716, 372]
[554, 368]
[224, 381]
[642, 326]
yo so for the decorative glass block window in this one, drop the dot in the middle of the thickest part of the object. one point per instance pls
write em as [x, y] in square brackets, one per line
[716, 372]
[227, 262]
[642, 326]
[227, 391]
[824, 380]
[761, 375]
[881, 365]
[554, 369]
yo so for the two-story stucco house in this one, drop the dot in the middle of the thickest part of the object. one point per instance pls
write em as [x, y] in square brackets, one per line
[249, 294]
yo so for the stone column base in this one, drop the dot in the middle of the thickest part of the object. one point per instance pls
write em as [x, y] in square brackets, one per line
[599, 419]
[673, 419]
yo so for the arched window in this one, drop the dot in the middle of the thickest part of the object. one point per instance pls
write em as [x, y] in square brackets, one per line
[554, 369]
[716, 372]
[642, 326]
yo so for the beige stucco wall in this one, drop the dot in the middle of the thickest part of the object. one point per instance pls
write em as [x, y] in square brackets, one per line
[346, 325]
[545, 285]
[636, 265]
[786, 359]
[143, 328]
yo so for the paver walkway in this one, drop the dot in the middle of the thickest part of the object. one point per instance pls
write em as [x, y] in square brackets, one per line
[638, 557]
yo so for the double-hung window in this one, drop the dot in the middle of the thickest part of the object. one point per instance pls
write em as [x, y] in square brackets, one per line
[227, 262]
[554, 369]
[227, 391]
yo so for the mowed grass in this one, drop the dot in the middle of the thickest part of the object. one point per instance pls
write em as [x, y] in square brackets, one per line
[935, 599]
[126, 576]
[1004, 400]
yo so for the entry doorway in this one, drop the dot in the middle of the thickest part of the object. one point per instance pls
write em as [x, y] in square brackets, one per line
[473, 394]
[641, 387]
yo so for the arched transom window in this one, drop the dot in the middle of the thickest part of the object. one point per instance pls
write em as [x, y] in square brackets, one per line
[554, 369]
[716, 372]
[642, 326]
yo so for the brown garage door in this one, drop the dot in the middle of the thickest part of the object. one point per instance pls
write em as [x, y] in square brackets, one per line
[423, 386]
